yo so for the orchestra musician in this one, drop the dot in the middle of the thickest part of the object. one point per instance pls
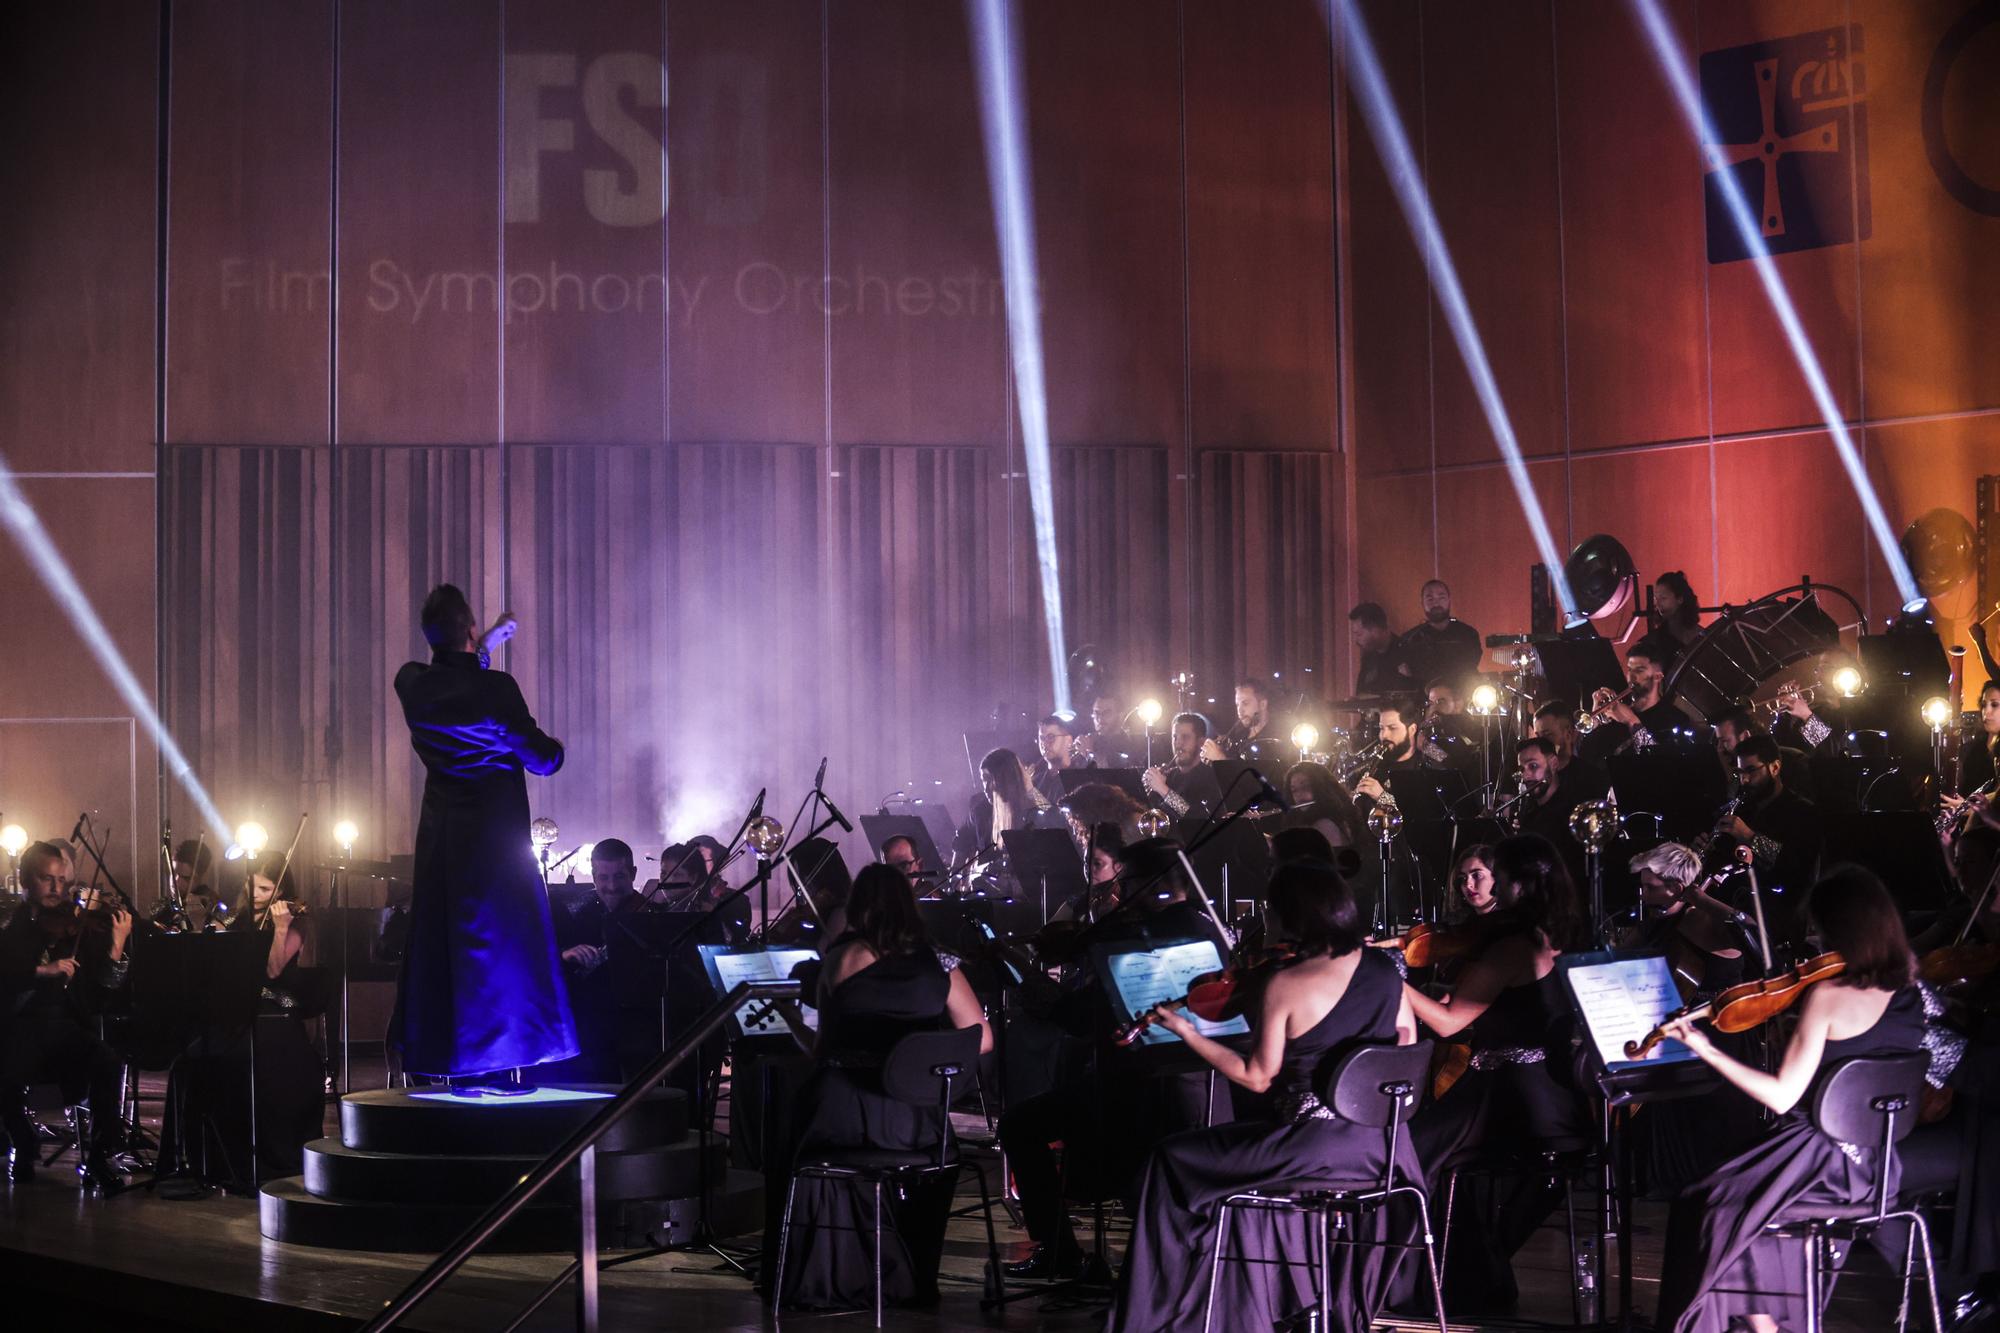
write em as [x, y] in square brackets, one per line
[1814, 724]
[1055, 740]
[582, 941]
[1005, 799]
[1676, 613]
[1402, 755]
[482, 990]
[1471, 884]
[1332, 996]
[1316, 797]
[1439, 645]
[1716, 1252]
[1979, 759]
[1782, 830]
[1555, 722]
[900, 853]
[881, 979]
[60, 961]
[1641, 717]
[1547, 802]
[1380, 670]
[1185, 784]
[192, 862]
[1254, 735]
[1509, 1004]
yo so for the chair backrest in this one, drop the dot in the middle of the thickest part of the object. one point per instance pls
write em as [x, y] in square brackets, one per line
[1854, 1102]
[1372, 1085]
[921, 1066]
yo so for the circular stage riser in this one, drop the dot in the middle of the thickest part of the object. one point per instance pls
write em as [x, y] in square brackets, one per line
[404, 1121]
[334, 1170]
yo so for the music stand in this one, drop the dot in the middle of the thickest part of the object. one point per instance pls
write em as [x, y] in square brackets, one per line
[879, 829]
[1576, 668]
[1045, 859]
[202, 983]
[1139, 974]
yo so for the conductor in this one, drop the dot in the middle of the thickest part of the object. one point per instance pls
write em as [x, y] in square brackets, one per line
[482, 990]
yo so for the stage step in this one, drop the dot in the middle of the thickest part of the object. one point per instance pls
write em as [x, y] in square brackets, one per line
[431, 1121]
[736, 1208]
[670, 1171]
[288, 1212]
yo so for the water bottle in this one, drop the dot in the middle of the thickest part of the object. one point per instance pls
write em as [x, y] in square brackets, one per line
[1586, 1278]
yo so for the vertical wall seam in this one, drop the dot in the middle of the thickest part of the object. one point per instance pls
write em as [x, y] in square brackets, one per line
[1562, 283]
[1188, 483]
[500, 319]
[329, 743]
[162, 130]
[1708, 373]
[1430, 291]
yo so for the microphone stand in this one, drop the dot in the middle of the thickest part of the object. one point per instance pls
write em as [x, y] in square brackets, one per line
[81, 834]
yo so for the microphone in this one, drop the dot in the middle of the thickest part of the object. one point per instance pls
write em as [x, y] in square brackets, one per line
[819, 778]
[76, 834]
[1271, 791]
[758, 808]
[834, 811]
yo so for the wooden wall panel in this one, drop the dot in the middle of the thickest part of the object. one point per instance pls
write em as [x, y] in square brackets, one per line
[250, 160]
[1657, 503]
[1260, 208]
[1484, 548]
[1757, 386]
[585, 241]
[1490, 136]
[1930, 274]
[1118, 558]
[1393, 312]
[77, 88]
[1265, 586]
[1104, 117]
[745, 355]
[1921, 466]
[921, 356]
[57, 768]
[419, 222]
[1766, 545]
[1395, 548]
[1633, 253]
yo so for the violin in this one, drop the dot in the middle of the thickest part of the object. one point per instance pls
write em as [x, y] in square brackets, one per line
[1749, 1005]
[1218, 996]
[1957, 964]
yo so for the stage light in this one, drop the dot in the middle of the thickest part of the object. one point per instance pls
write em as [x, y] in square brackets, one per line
[251, 837]
[582, 853]
[233, 852]
[1485, 700]
[13, 840]
[1305, 735]
[765, 835]
[997, 60]
[345, 834]
[1150, 712]
[1385, 127]
[1848, 682]
[543, 833]
[1152, 822]
[1668, 51]
[26, 526]
[1937, 712]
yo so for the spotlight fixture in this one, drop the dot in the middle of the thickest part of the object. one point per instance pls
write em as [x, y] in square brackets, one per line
[13, 840]
[251, 837]
[1937, 712]
[346, 834]
[1150, 711]
[1305, 735]
[233, 852]
[1847, 682]
[1485, 700]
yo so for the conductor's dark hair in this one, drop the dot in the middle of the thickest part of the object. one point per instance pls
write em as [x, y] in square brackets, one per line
[1369, 615]
[1761, 747]
[1853, 914]
[447, 617]
[1531, 882]
[882, 910]
[1196, 720]
[1315, 908]
[612, 849]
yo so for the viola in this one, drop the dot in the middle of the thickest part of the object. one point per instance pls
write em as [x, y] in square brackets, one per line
[1219, 996]
[1749, 1005]
[1956, 964]
[1426, 944]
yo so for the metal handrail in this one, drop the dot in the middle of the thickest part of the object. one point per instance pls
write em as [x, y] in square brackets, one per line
[575, 1147]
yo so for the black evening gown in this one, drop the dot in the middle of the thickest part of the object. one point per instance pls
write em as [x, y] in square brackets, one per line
[1164, 1284]
[829, 1262]
[481, 989]
[1517, 1093]
[1715, 1249]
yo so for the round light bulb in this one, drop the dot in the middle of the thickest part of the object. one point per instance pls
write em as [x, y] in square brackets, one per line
[1937, 712]
[1305, 735]
[251, 837]
[13, 839]
[543, 832]
[1485, 699]
[1150, 712]
[1848, 681]
[345, 833]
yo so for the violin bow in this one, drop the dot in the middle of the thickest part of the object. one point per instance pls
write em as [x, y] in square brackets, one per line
[286, 869]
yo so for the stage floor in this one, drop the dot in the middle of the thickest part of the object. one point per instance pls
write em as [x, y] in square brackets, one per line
[136, 1261]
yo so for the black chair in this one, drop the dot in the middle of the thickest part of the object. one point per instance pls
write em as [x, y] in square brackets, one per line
[1562, 1162]
[920, 1069]
[1371, 1085]
[1866, 1100]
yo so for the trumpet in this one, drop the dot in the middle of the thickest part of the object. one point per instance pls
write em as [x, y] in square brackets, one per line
[1590, 719]
[1359, 762]
[1780, 700]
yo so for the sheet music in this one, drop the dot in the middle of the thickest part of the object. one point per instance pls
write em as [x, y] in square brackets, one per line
[1141, 980]
[1624, 1000]
[770, 965]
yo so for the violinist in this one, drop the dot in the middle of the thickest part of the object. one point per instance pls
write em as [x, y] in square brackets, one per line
[59, 962]
[1107, 1115]
[1331, 996]
[1471, 884]
[1716, 1252]
[1979, 758]
[1509, 1005]
[1318, 802]
[1703, 945]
